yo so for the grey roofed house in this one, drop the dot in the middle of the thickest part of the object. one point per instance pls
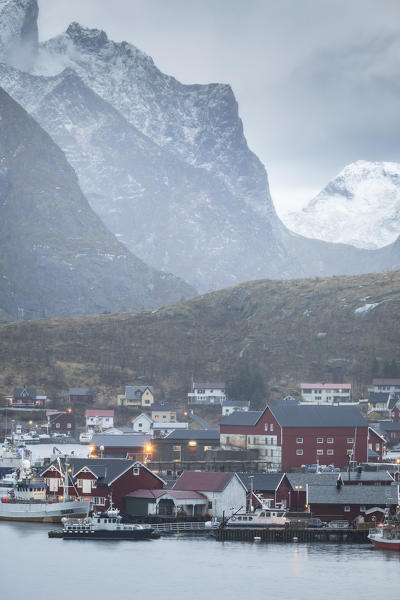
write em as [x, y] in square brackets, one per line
[366, 476]
[209, 385]
[353, 494]
[159, 406]
[134, 392]
[393, 400]
[236, 403]
[302, 479]
[124, 440]
[261, 481]
[242, 418]
[389, 426]
[318, 416]
[193, 434]
[25, 392]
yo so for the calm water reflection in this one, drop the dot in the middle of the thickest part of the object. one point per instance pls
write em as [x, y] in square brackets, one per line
[34, 566]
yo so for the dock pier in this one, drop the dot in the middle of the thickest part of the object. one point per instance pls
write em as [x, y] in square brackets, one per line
[289, 534]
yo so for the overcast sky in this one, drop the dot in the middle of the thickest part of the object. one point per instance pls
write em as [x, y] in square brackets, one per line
[317, 81]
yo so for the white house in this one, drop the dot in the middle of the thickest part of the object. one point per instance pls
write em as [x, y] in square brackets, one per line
[98, 419]
[230, 406]
[207, 393]
[386, 385]
[325, 393]
[144, 423]
[225, 492]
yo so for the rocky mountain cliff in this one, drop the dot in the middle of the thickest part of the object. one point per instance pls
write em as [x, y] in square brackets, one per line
[360, 206]
[167, 166]
[57, 257]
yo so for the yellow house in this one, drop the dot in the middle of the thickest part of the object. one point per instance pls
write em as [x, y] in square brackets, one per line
[137, 395]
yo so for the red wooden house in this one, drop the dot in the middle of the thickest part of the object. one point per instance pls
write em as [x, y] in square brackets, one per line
[293, 435]
[350, 502]
[99, 479]
[59, 421]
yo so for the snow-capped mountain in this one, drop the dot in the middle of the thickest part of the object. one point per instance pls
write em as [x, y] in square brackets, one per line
[18, 32]
[360, 206]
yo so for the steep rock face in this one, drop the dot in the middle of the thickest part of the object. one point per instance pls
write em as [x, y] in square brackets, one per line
[361, 206]
[197, 123]
[18, 32]
[57, 258]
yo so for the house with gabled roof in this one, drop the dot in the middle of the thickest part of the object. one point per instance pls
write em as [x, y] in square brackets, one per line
[137, 395]
[225, 492]
[351, 502]
[100, 479]
[166, 503]
[207, 392]
[290, 436]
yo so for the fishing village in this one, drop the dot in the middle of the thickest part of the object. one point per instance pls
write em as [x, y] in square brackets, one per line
[311, 467]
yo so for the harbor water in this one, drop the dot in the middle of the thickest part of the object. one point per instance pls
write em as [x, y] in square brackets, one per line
[179, 568]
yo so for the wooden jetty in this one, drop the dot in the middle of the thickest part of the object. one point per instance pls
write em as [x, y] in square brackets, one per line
[290, 534]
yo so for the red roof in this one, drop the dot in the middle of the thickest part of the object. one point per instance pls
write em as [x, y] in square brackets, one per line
[203, 482]
[326, 386]
[98, 412]
[177, 494]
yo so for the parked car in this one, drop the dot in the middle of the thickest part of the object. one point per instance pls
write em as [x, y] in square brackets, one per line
[316, 523]
[338, 524]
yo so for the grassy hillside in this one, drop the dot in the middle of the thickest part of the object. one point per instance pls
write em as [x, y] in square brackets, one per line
[291, 330]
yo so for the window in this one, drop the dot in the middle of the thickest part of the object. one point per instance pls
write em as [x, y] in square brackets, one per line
[94, 483]
[136, 470]
[69, 425]
[363, 508]
[318, 397]
[209, 505]
[271, 427]
[98, 500]
[140, 424]
[299, 452]
[266, 426]
[79, 483]
[377, 447]
[347, 509]
[320, 440]
[350, 440]
[57, 425]
[330, 452]
[320, 452]
[329, 440]
[349, 452]
[299, 440]
[147, 401]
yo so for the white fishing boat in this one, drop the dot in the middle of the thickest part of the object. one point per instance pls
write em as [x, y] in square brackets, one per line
[266, 516]
[27, 500]
[10, 456]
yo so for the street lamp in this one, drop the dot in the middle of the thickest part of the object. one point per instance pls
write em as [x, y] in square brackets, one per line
[298, 488]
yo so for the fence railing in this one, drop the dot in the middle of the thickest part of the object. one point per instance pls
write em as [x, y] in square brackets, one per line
[184, 526]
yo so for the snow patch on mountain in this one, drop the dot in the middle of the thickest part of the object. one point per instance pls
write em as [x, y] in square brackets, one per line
[361, 206]
[18, 32]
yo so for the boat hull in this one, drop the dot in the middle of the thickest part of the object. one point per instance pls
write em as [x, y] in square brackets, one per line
[393, 545]
[40, 512]
[141, 534]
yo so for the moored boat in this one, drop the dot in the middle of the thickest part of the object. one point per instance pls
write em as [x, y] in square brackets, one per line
[266, 516]
[386, 536]
[27, 500]
[104, 526]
